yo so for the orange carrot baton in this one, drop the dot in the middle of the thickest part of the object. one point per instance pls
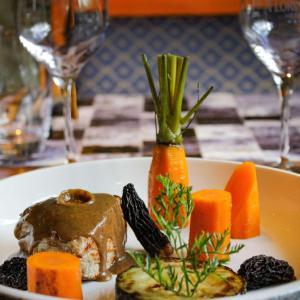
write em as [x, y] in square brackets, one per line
[211, 214]
[245, 218]
[55, 274]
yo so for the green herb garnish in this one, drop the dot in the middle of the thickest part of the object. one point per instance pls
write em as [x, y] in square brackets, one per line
[182, 283]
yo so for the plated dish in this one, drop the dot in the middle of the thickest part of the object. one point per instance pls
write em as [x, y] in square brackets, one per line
[279, 194]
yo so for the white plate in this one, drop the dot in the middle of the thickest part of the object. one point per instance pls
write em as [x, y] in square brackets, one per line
[280, 211]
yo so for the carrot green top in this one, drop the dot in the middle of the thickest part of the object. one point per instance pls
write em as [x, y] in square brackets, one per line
[172, 73]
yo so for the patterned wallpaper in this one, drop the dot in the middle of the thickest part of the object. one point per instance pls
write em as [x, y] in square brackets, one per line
[219, 56]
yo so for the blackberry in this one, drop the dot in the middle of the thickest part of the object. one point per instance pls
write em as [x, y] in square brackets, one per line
[13, 273]
[262, 271]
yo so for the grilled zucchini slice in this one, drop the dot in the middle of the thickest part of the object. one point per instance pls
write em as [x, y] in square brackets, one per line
[135, 284]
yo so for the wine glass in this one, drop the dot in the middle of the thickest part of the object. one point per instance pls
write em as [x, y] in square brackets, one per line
[272, 28]
[63, 34]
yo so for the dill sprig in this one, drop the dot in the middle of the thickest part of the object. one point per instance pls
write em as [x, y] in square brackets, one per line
[172, 200]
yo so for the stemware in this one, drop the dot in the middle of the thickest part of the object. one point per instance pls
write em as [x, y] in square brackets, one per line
[272, 28]
[25, 105]
[63, 34]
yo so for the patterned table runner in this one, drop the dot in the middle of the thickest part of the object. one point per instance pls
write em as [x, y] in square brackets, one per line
[227, 127]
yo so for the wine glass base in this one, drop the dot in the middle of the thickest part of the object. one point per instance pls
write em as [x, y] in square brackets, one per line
[71, 160]
[288, 165]
[295, 167]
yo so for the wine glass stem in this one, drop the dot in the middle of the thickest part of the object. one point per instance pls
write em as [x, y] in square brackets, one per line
[70, 142]
[285, 89]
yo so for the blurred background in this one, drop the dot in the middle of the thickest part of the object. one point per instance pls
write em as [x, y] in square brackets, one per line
[208, 32]
[113, 93]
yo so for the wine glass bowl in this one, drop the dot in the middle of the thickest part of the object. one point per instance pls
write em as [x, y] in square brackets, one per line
[60, 41]
[274, 35]
[272, 29]
[63, 34]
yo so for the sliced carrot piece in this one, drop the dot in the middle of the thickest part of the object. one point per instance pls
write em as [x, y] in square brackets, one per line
[245, 217]
[212, 214]
[166, 160]
[55, 274]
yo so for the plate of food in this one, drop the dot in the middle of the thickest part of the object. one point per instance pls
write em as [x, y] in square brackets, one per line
[94, 211]
[160, 228]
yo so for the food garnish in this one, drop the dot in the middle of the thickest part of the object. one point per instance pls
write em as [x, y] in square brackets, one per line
[137, 216]
[168, 154]
[245, 216]
[13, 273]
[55, 274]
[262, 271]
[186, 277]
[211, 213]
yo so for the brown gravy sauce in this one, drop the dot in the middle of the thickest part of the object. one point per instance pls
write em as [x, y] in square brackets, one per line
[122, 265]
[99, 217]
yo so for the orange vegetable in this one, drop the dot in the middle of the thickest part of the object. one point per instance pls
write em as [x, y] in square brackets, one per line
[54, 273]
[166, 160]
[42, 77]
[212, 214]
[168, 154]
[59, 15]
[245, 217]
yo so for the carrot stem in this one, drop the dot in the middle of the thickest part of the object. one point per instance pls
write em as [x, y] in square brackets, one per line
[194, 109]
[172, 64]
[178, 71]
[163, 85]
[175, 125]
[164, 133]
[151, 83]
[172, 73]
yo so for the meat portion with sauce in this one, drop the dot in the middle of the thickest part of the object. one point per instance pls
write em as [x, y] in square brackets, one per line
[90, 226]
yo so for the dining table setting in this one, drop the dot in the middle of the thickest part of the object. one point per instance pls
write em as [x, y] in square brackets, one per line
[116, 125]
[147, 188]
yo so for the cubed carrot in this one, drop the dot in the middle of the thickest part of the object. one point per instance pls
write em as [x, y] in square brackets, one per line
[212, 214]
[55, 274]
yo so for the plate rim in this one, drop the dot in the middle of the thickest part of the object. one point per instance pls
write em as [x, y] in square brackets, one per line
[276, 292]
[147, 158]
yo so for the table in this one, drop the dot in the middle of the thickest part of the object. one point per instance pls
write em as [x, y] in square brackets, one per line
[6, 171]
[230, 127]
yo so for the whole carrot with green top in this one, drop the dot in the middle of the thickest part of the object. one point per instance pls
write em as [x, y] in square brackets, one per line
[169, 156]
